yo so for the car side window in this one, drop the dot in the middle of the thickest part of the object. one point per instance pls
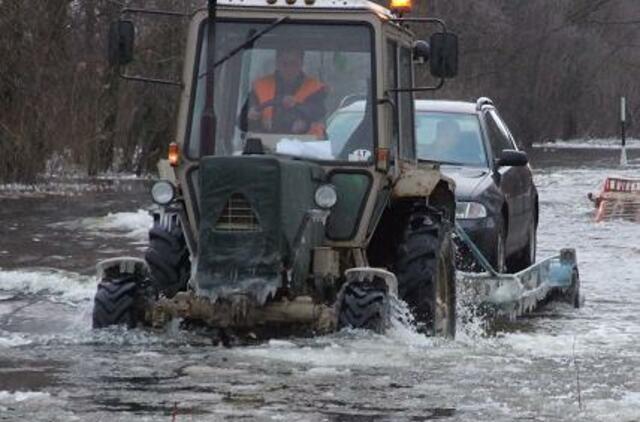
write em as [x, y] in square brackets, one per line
[498, 137]
[504, 129]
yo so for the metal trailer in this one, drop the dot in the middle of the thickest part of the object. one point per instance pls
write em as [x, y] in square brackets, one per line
[512, 295]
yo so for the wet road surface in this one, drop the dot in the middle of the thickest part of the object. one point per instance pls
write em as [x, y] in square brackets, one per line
[559, 365]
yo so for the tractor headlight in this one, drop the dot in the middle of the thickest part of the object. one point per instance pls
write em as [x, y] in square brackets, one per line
[470, 211]
[326, 196]
[163, 192]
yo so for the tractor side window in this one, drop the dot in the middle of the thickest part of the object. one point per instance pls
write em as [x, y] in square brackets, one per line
[406, 106]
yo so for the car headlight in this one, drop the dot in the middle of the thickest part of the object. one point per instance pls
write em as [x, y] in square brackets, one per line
[326, 196]
[163, 192]
[470, 210]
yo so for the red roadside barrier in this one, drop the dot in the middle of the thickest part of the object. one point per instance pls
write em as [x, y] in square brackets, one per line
[618, 199]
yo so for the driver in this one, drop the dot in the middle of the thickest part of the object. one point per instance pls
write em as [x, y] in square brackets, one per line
[287, 101]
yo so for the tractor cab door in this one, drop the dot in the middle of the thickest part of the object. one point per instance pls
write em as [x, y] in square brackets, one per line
[400, 116]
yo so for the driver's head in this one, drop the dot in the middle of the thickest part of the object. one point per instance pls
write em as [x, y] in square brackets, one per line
[289, 63]
[447, 132]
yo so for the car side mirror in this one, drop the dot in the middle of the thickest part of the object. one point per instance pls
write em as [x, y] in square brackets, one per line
[421, 51]
[121, 37]
[444, 55]
[512, 158]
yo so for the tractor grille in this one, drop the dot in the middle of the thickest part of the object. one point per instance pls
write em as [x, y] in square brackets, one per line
[237, 216]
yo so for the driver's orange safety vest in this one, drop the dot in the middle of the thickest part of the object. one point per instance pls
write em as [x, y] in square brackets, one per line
[265, 90]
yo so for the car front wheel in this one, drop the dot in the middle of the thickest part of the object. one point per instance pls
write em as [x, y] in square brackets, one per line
[498, 258]
[526, 257]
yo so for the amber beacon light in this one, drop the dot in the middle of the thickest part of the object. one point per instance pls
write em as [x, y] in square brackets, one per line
[401, 6]
[174, 154]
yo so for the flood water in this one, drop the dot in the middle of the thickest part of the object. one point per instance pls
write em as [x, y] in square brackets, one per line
[561, 364]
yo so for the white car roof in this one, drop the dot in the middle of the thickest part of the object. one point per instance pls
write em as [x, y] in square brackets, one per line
[445, 106]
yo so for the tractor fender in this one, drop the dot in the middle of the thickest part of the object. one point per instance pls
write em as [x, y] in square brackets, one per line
[122, 265]
[420, 181]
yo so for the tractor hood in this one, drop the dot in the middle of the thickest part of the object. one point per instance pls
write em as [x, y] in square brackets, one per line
[255, 230]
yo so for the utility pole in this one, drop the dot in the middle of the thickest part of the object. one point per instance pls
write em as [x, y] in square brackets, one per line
[623, 131]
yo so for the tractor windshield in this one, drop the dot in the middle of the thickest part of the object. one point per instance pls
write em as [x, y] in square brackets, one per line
[277, 91]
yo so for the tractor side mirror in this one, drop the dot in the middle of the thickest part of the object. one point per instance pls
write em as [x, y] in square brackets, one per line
[421, 51]
[444, 55]
[512, 158]
[121, 37]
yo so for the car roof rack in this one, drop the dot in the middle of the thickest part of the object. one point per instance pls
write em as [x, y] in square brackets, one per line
[483, 101]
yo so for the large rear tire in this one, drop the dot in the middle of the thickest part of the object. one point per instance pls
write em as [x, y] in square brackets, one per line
[168, 258]
[365, 305]
[425, 268]
[115, 301]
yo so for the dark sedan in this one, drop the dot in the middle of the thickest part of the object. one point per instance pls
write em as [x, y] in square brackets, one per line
[497, 202]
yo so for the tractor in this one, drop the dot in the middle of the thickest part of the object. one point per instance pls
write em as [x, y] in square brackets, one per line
[264, 224]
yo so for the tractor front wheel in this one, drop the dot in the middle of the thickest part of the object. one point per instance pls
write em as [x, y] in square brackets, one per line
[115, 301]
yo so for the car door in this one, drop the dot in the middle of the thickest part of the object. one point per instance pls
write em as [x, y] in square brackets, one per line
[511, 181]
[526, 190]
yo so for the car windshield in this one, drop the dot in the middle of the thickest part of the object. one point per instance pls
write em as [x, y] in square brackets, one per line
[281, 88]
[452, 138]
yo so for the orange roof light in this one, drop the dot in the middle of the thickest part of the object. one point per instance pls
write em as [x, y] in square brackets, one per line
[174, 154]
[401, 6]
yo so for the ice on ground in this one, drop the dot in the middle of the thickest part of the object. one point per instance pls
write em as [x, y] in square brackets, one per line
[134, 225]
[63, 285]
[21, 396]
[624, 409]
[608, 143]
[359, 353]
[320, 371]
[8, 339]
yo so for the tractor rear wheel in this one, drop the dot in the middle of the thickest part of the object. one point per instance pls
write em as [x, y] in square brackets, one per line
[425, 268]
[168, 258]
